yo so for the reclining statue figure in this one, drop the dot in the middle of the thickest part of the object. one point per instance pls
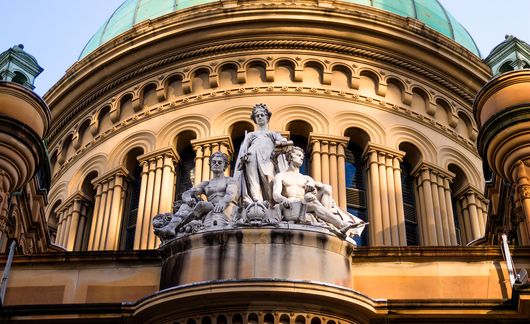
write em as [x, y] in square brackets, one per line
[302, 200]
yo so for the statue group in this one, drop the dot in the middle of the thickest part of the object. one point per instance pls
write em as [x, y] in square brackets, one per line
[267, 189]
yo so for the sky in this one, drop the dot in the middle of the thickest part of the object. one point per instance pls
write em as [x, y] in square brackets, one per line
[55, 31]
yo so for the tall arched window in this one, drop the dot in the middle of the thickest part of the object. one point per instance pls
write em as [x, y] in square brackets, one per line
[53, 221]
[411, 159]
[133, 196]
[186, 166]
[355, 177]
[458, 187]
[85, 222]
[237, 135]
[299, 134]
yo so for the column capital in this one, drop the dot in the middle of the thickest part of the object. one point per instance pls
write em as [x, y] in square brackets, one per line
[380, 149]
[328, 138]
[434, 169]
[470, 190]
[160, 153]
[78, 196]
[110, 175]
[209, 141]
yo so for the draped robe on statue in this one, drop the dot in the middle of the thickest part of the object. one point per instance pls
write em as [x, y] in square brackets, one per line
[256, 167]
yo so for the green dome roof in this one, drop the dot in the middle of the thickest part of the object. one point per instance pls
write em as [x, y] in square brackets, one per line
[132, 12]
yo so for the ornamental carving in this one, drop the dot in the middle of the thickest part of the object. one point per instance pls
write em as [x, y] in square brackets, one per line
[524, 191]
[267, 190]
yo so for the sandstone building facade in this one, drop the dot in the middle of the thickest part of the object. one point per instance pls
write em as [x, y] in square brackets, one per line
[380, 96]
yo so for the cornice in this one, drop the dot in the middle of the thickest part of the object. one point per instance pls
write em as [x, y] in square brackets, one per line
[78, 87]
[257, 45]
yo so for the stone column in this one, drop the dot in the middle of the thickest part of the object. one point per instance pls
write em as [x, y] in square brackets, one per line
[436, 214]
[157, 191]
[198, 164]
[204, 147]
[315, 161]
[522, 202]
[328, 163]
[72, 219]
[385, 201]
[109, 205]
[471, 209]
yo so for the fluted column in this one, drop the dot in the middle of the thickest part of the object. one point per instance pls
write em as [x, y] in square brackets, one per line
[385, 200]
[204, 148]
[324, 160]
[157, 191]
[328, 163]
[198, 164]
[436, 217]
[471, 207]
[315, 161]
[72, 219]
[81, 237]
[341, 168]
[111, 191]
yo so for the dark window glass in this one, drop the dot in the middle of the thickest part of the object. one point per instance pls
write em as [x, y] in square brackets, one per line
[130, 221]
[409, 204]
[355, 188]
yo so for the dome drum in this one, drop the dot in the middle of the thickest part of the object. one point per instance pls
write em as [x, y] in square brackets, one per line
[241, 28]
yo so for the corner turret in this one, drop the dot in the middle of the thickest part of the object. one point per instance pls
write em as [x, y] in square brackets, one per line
[510, 55]
[18, 66]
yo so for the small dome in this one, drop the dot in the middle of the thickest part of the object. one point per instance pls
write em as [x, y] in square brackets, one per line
[132, 12]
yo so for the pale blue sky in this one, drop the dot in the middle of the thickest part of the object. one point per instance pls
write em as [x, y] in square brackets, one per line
[55, 31]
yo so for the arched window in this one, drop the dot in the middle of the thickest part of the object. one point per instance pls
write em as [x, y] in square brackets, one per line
[299, 134]
[85, 222]
[53, 221]
[133, 197]
[237, 134]
[237, 319]
[410, 161]
[268, 319]
[507, 66]
[355, 182]
[253, 318]
[458, 187]
[186, 166]
[19, 78]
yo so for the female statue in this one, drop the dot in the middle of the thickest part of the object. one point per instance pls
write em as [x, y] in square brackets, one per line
[255, 166]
